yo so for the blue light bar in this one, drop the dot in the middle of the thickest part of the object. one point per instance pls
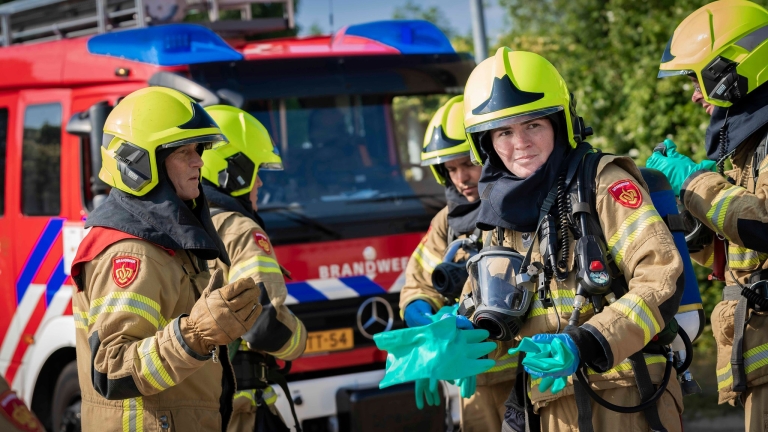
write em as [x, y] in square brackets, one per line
[165, 45]
[407, 36]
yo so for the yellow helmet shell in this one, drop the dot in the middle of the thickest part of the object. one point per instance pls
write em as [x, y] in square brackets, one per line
[234, 167]
[724, 45]
[143, 122]
[512, 87]
[445, 138]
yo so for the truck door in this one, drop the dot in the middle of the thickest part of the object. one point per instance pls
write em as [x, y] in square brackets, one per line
[8, 115]
[35, 207]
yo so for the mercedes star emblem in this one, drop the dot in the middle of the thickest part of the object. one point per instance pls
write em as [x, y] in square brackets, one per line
[374, 316]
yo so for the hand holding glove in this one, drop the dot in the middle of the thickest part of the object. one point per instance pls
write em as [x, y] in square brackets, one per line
[551, 357]
[438, 351]
[418, 313]
[675, 166]
[221, 314]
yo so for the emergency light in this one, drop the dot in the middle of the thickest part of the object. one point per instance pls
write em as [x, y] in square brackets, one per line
[406, 36]
[165, 45]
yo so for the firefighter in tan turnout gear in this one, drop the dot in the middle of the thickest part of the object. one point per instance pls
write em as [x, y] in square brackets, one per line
[723, 48]
[550, 200]
[14, 414]
[446, 152]
[152, 325]
[231, 184]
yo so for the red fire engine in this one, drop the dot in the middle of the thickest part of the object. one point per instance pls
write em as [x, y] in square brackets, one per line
[348, 113]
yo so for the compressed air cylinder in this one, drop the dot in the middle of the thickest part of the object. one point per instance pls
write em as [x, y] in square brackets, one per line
[690, 315]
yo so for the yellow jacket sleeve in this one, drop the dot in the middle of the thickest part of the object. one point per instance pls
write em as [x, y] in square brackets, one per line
[277, 331]
[645, 252]
[428, 254]
[133, 328]
[732, 211]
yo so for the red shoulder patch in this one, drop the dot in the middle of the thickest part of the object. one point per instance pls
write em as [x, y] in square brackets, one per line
[263, 242]
[124, 270]
[14, 410]
[626, 193]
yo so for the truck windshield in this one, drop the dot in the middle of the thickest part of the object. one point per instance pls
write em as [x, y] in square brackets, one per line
[351, 162]
[350, 131]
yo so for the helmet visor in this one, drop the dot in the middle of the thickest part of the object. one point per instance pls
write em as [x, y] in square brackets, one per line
[493, 278]
[671, 73]
[445, 158]
[514, 119]
[271, 166]
[209, 141]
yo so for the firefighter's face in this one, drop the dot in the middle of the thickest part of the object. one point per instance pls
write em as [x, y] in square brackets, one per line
[524, 147]
[464, 175]
[254, 196]
[698, 98]
[183, 167]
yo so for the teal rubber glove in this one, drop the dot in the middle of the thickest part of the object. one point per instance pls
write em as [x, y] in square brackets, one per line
[418, 313]
[439, 351]
[551, 357]
[427, 389]
[451, 311]
[675, 166]
[467, 386]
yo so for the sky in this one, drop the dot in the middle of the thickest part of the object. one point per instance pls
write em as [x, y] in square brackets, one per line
[346, 12]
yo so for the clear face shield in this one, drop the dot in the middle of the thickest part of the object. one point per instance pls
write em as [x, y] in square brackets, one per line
[501, 293]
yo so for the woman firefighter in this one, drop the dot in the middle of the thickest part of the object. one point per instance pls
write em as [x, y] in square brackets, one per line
[231, 184]
[152, 323]
[575, 256]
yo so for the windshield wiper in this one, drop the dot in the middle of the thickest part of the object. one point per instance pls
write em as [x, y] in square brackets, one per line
[291, 213]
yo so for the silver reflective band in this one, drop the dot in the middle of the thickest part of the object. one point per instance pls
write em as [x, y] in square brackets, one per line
[442, 159]
[514, 119]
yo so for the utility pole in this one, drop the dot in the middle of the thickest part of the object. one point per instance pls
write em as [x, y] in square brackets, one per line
[478, 30]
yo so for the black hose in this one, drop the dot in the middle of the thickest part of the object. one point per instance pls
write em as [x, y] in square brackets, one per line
[562, 207]
[688, 351]
[622, 409]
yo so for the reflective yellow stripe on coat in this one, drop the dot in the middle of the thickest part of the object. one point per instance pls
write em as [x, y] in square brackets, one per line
[133, 415]
[426, 259]
[252, 266]
[151, 366]
[630, 229]
[636, 309]
[122, 301]
[717, 213]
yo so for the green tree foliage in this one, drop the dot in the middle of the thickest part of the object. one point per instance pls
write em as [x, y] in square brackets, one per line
[608, 51]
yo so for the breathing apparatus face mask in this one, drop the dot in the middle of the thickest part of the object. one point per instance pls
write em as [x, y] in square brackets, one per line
[500, 292]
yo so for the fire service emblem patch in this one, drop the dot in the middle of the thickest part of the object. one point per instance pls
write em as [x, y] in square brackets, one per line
[262, 241]
[124, 270]
[626, 193]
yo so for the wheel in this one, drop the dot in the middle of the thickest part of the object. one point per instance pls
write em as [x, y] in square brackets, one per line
[65, 410]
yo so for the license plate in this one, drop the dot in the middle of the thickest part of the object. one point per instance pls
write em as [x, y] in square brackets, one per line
[330, 340]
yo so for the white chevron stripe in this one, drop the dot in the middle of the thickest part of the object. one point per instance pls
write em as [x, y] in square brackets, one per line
[55, 309]
[399, 283]
[19, 321]
[333, 289]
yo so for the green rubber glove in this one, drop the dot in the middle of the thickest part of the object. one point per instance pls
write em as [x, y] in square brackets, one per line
[677, 167]
[438, 351]
[467, 386]
[427, 389]
[551, 357]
